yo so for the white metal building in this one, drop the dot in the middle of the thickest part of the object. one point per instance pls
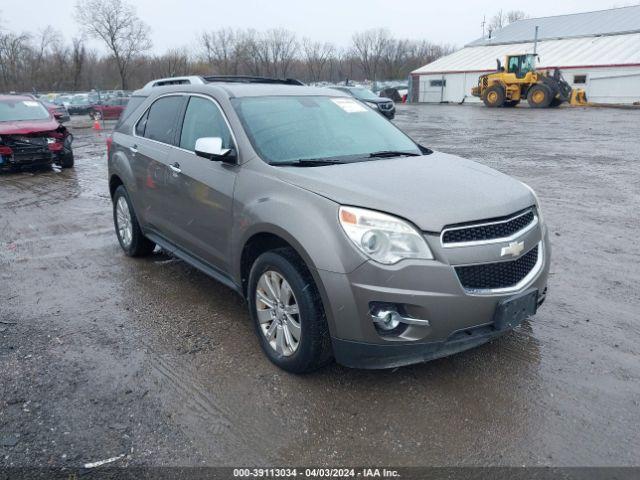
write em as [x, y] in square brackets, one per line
[597, 51]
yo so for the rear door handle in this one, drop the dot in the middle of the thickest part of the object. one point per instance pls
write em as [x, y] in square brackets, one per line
[175, 167]
[133, 149]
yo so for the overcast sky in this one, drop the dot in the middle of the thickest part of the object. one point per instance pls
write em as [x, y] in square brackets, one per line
[176, 22]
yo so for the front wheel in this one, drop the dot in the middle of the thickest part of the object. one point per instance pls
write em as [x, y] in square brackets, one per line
[67, 160]
[128, 230]
[494, 96]
[287, 312]
[539, 96]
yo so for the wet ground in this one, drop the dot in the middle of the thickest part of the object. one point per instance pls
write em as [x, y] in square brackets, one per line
[104, 356]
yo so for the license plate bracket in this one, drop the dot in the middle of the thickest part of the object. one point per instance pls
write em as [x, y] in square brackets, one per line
[514, 310]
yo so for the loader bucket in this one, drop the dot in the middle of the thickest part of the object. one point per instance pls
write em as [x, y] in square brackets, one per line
[578, 97]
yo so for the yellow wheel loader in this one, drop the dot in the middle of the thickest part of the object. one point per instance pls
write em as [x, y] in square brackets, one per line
[519, 79]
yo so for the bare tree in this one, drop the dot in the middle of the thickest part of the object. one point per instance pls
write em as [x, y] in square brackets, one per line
[282, 46]
[498, 21]
[78, 58]
[316, 56]
[502, 19]
[368, 48]
[222, 50]
[515, 15]
[117, 25]
[173, 63]
[14, 53]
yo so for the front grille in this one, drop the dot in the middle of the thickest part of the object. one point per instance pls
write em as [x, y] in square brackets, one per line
[497, 275]
[489, 231]
[29, 149]
[40, 157]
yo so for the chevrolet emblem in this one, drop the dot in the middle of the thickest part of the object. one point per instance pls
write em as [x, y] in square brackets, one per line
[514, 249]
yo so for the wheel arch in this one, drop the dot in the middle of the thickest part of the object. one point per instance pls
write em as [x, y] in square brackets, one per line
[114, 182]
[268, 237]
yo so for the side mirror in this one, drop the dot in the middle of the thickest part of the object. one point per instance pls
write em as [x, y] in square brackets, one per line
[211, 149]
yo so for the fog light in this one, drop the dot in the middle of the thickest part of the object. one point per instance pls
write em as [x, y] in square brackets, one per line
[385, 316]
[392, 319]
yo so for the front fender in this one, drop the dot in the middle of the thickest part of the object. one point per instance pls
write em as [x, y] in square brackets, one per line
[305, 220]
[309, 222]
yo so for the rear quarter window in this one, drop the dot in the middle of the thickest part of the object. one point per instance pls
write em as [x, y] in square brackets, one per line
[162, 119]
[134, 103]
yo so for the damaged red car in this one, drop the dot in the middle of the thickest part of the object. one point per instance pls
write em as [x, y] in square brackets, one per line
[31, 136]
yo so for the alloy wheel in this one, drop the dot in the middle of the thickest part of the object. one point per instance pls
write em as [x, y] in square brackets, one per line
[123, 220]
[278, 313]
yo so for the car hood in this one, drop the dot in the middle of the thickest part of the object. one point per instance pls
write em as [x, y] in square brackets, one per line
[431, 191]
[377, 101]
[27, 127]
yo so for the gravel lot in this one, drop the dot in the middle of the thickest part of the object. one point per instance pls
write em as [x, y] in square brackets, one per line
[102, 355]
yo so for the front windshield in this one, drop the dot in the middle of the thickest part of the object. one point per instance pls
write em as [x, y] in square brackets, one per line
[364, 93]
[19, 110]
[528, 64]
[79, 100]
[291, 128]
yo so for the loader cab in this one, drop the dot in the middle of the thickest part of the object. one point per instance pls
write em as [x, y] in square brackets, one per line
[520, 65]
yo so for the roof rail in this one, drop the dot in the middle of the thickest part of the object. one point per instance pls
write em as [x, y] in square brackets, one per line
[250, 79]
[186, 80]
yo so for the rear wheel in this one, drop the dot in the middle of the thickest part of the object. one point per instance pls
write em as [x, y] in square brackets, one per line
[128, 230]
[539, 96]
[287, 312]
[494, 96]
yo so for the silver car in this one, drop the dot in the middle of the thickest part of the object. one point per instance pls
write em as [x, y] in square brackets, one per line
[347, 239]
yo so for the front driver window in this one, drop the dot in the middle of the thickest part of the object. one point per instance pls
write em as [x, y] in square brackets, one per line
[514, 65]
[203, 119]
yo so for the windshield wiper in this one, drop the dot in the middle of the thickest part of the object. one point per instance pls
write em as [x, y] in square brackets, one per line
[308, 162]
[392, 153]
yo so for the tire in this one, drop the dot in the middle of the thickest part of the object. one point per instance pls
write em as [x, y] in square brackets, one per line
[313, 347]
[556, 102]
[67, 160]
[133, 242]
[539, 96]
[511, 103]
[494, 96]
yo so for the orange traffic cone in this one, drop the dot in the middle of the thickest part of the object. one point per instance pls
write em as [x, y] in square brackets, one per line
[96, 125]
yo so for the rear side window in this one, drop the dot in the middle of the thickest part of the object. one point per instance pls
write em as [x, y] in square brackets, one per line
[134, 103]
[203, 119]
[162, 120]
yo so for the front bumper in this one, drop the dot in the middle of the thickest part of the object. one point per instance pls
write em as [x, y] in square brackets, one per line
[431, 290]
[390, 114]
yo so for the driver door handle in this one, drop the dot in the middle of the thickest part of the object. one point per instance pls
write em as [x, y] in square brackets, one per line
[175, 167]
[133, 149]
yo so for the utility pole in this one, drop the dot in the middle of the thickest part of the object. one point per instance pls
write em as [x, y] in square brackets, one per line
[535, 41]
[484, 22]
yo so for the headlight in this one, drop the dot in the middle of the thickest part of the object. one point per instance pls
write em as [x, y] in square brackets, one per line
[537, 200]
[383, 238]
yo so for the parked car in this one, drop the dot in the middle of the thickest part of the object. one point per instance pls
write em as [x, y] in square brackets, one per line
[63, 100]
[397, 94]
[109, 110]
[346, 237]
[59, 112]
[384, 105]
[30, 135]
[79, 105]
